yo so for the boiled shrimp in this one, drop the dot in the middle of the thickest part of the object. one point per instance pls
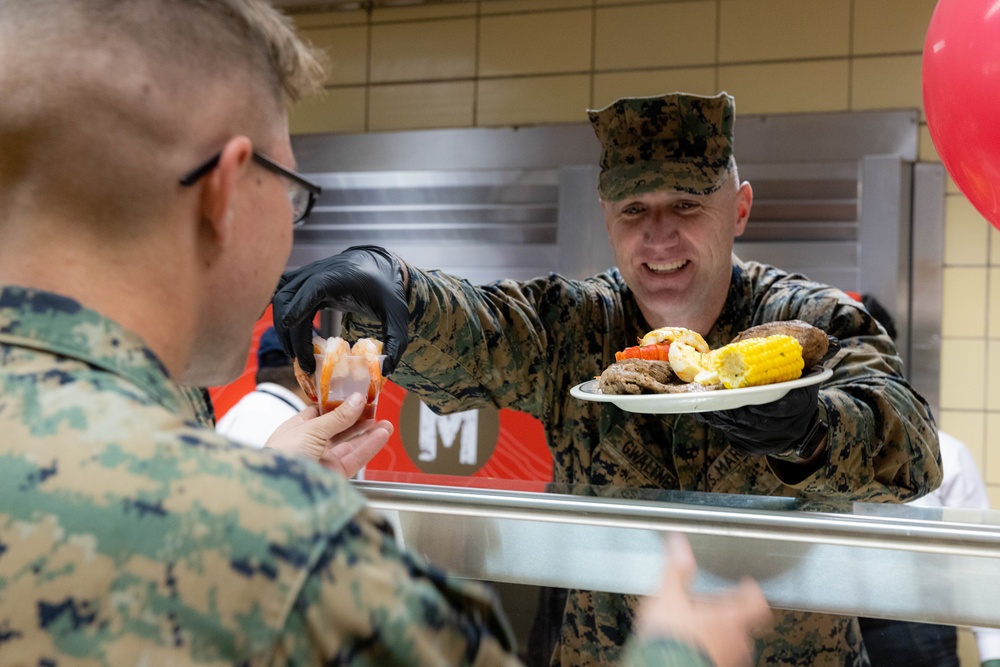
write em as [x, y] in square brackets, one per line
[306, 380]
[369, 348]
[336, 347]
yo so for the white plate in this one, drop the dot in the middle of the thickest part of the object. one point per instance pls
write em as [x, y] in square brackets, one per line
[705, 401]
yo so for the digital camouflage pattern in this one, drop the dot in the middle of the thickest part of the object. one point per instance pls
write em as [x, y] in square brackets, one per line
[677, 141]
[130, 534]
[524, 345]
[201, 403]
[666, 653]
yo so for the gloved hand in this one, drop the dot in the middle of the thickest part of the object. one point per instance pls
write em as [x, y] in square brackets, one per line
[366, 280]
[770, 428]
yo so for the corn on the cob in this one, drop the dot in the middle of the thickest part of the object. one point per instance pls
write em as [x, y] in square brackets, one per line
[758, 361]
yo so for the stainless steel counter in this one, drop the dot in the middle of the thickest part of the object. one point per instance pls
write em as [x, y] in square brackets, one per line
[892, 561]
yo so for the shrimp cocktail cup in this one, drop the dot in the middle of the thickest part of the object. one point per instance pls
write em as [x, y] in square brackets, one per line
[342, 370]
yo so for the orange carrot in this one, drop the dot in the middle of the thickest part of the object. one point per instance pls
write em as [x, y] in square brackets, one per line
[657, 352]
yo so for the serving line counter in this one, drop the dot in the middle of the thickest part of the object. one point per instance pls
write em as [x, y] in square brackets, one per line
[939, 565]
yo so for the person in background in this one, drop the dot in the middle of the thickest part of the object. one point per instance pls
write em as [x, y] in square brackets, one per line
[147, 199]
[276, 398]
[673, 204]
[895, 643]
[892, 643]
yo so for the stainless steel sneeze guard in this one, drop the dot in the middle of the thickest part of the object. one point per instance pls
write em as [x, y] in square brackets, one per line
[893, 561]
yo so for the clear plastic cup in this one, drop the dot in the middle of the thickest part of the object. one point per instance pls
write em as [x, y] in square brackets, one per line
[351, 375]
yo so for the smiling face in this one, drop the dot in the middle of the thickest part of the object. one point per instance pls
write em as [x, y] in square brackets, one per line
[674, 250]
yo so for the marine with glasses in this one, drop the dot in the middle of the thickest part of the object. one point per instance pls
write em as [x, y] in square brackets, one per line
[147, 198]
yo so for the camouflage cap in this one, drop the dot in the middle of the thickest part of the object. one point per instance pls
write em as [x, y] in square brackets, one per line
[677, 141]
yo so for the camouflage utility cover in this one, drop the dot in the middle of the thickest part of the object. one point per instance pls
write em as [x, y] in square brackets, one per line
[130, 534]
[674, 142]
[524, 345]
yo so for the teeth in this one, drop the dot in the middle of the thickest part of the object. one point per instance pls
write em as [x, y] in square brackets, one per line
[667, 267]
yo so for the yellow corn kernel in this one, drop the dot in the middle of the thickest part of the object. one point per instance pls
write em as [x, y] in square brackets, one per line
[758, 361]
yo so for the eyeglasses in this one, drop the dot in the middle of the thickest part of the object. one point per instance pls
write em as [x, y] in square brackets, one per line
[302, 194]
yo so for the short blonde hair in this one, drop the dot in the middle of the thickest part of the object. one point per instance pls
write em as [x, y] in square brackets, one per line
[252, 32]
[103, 100]
[205, 33]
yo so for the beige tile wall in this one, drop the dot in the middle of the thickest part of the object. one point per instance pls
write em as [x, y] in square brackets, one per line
[517, 62]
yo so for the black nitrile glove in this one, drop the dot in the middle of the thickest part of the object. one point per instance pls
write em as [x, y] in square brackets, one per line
[366, 280]
[770, 428]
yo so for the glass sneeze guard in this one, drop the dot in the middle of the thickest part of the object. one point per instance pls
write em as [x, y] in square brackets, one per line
[939, 565]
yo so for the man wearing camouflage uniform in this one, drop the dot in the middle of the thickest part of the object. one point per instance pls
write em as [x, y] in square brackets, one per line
[673, 205]
[130, 533]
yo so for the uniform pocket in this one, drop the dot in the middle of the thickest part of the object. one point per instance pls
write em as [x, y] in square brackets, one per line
[622, 459]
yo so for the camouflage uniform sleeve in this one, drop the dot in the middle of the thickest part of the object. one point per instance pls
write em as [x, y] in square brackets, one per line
[882, 443]
[366, 602]
[664, 652]
[472, 346]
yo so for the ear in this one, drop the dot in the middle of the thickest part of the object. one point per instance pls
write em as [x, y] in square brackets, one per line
[744, 202]
[220, 190]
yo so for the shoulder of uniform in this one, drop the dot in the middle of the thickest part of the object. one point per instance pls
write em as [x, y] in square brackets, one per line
[278, 482]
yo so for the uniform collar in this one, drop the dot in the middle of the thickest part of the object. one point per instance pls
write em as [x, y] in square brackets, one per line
[61, 326]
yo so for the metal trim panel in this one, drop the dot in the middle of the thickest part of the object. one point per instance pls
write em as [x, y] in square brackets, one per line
[873, 560]
[927, 293]
[884, 243]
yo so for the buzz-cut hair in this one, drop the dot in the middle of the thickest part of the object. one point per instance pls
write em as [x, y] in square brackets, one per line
[100, 98]
[199, 34]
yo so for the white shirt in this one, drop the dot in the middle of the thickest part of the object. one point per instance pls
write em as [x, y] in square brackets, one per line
[255, 417]
[963, 487]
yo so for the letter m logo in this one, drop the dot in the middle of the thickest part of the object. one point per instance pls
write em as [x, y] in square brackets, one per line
[462, 427]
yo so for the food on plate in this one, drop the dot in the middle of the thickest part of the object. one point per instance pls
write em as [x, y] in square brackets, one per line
[678, 360]
[814, 341]
[342, 370]
[756, 361]
[692, 365]
[656, 344]
[675, 335]
[643, 376]
[655, 352]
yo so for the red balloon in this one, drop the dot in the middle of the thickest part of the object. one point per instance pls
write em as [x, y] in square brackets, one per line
[961, 90]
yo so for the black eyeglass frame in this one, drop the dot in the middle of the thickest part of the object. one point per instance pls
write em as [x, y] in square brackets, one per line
[314, 190]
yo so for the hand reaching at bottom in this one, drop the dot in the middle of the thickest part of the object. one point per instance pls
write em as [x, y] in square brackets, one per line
[722, 625]
[336, 439]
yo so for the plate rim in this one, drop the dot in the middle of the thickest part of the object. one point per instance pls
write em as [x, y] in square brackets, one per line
[694, 402]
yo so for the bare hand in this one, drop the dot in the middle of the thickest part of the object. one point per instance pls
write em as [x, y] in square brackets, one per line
[335, 439]
[721, 625]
